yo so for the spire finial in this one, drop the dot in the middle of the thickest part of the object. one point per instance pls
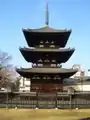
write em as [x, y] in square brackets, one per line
[47, 15]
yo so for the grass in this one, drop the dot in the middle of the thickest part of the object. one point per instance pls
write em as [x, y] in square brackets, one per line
[41, 114]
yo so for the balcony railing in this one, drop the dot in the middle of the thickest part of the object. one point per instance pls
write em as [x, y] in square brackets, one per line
[43, 93]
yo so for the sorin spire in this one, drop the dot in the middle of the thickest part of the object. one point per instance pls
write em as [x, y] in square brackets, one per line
[47, 15]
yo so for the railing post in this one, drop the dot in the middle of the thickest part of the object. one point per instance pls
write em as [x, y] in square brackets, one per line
[70, 101]
[7, 97]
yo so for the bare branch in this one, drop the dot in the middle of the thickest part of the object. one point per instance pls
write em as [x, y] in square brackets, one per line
[6, 72]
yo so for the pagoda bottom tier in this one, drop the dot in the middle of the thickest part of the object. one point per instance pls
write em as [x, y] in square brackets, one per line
[46, 79]
[46, 87]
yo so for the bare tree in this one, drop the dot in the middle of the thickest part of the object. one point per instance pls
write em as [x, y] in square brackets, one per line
[6, 73]
[15, 85]
[5, 59]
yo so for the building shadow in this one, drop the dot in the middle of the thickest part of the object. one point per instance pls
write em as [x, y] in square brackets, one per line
[88, 118]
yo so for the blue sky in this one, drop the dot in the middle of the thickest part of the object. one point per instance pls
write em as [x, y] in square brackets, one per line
[18, 14]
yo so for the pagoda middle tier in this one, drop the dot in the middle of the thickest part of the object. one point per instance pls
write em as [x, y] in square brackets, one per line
[47, 56]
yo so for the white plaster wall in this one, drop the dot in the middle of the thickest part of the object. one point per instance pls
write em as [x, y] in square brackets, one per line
[76, 87]
[27, 82]
[21, 82]
[79, 87]
[25, 89]
[26, 86]
[85, 87]
[88, 73]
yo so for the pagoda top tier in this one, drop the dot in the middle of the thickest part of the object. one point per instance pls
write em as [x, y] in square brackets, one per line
[35, 36]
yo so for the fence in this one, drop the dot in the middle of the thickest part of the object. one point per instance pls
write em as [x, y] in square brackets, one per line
[34, 100]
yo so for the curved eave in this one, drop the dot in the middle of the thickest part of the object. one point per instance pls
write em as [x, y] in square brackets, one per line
[33, 37]
[47, 29]
[64, 73]
[32, 55]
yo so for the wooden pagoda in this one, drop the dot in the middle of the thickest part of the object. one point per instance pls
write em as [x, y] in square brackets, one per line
[46, 51]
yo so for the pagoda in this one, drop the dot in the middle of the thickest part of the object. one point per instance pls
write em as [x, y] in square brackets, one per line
[46, 51]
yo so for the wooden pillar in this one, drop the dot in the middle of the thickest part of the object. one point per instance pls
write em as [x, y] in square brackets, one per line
[56, 100]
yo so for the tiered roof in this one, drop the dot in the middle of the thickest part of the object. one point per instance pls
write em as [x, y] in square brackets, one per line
[61, 55]
[57, 53]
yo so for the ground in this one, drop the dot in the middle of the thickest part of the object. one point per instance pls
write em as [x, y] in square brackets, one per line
[39, 114]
